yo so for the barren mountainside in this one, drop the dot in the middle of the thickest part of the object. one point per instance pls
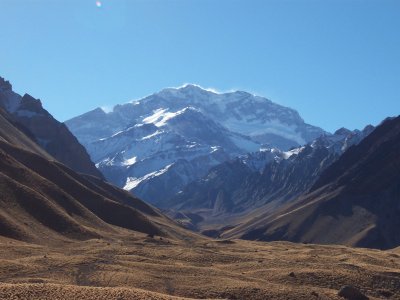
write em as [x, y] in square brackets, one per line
[354, 202]
[42, 197]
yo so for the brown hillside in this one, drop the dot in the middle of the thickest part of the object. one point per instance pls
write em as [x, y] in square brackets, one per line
[355, 202]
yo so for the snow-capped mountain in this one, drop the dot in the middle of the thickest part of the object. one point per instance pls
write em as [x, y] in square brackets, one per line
[178, 134]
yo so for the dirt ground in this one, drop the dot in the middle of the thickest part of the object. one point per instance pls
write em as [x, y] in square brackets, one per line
[159, 268]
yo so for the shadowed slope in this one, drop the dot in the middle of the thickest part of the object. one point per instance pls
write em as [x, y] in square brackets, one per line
[37, 193]
[28, 114]
[355, 202]
[43, 199]
[10, 133]
[258, 183]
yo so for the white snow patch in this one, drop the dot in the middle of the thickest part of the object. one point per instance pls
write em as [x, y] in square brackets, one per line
[107, 108]
[212, 90]
[114, 135]
[156, 116]
[214, 148]
[130, 161]
[295, 151]
[161, 116]
[158, 132]
[272, 150]
[132, 182]
[192, 145]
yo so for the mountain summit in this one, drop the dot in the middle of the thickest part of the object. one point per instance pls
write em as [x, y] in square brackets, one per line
[257, 117]
[175, 136]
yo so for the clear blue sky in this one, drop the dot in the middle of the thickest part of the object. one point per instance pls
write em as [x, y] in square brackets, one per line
[336, 62]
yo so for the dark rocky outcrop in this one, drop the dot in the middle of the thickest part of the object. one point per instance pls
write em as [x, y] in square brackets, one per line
[28, 114]
[350, 292]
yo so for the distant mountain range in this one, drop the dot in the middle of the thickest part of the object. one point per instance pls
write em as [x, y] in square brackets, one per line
[261, 181]
[156, 145]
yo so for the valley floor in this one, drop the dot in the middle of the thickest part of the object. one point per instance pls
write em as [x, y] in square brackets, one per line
[153, 268]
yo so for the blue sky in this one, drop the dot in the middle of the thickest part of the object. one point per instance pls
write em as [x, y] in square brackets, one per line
[336, 62]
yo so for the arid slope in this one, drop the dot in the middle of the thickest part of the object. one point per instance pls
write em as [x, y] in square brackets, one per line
[41, 197]
[130, 267]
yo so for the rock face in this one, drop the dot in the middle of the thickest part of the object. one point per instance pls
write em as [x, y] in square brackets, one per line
[50, 134]
[351, 293]
[175, 136]
[12, 132]
[355, 201]
[271, 177]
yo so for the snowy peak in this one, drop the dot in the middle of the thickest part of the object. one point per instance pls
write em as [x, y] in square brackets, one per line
[139, 144]
[188, 89]
[257, 117]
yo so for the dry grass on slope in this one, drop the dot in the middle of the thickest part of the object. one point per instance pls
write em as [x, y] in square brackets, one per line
[57, 291]
[197, 269]
[40, 198]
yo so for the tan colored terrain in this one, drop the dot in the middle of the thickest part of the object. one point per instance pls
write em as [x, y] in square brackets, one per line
[72, 236]
[141, 267]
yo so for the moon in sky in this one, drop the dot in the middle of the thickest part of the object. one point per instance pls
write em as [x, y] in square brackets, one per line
[98, 3]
